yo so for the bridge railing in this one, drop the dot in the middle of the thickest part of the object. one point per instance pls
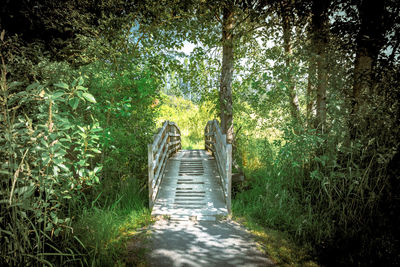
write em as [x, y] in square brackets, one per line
[215, 142]
[166, 142]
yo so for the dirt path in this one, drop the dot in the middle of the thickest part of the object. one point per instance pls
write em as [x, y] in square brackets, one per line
[204, 243]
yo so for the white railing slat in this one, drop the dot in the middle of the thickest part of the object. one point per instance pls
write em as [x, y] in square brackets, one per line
[215, 141]
[165, 143]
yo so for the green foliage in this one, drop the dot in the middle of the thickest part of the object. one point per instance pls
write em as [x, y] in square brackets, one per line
[106, 225]
[48, 162]
[190, 118]
[125, 111]
[320, 191]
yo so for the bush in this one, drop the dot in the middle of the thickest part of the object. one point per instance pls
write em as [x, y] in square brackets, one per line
[49, 160]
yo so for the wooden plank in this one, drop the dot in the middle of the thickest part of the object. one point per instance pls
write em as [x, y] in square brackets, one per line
[166, 142]
[158, 136]
[204, 198]
[174, 143]
[157, 184]
[210, 148]
[160, 149]
[216, 141]
[176, 126]
[162, 162]
[151, 174]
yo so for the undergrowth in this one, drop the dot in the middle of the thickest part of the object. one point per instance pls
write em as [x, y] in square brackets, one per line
[105, 227]
[277, 245]
[325, 200]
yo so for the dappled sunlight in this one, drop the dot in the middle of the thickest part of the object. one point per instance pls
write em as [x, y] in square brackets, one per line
[278, 246]
[204, 244]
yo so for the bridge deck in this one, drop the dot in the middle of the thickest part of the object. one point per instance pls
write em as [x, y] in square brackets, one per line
[191, 187]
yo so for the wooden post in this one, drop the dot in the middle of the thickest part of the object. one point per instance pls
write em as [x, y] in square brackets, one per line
[229, 176]
[205, 137]
[177, 138]
[151, 173]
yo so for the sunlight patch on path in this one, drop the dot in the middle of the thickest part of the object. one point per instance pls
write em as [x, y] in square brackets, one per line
[191, 243]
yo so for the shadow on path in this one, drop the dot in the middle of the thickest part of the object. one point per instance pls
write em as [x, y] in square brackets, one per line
[188, 243]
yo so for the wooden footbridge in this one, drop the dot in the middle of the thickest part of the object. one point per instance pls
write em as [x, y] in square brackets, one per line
[189, 184]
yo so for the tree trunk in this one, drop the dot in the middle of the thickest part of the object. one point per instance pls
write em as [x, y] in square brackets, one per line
[225, 93]
[369, 43]
[310, 94]
[321, 89]
[287, 21]
[319, 44]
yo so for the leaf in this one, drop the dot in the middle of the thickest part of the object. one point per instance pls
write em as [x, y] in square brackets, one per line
[62, 85]
[89, 97]
[74, 102]
[95, 130]
[55, 171]
[80, 128]
[25, 191]
[79, 94]
[48, 227]
[32, 86]
[57, 231]
[58, 94]
[80, 80]
[14, 84]
[62, 166]
[80, 87]
[73, 84]
[97, 169]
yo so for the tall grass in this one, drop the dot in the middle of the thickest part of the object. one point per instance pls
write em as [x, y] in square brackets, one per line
[106, 225]
[325, 194]
[38, 192]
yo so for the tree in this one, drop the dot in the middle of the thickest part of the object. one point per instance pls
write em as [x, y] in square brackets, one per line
[369, 42]
[319, 44]
[287, 15]
[225, 94]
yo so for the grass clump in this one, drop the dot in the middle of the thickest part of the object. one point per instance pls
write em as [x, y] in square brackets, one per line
[106, 226]
[278, 245]
[273, 215]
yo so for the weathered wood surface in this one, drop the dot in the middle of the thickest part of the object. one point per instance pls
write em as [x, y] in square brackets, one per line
[215, 142]
[166, 142]
[190, 183]
[191, 188]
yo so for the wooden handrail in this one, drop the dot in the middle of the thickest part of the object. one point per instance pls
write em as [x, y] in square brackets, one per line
[215, 142]
[166, 142]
